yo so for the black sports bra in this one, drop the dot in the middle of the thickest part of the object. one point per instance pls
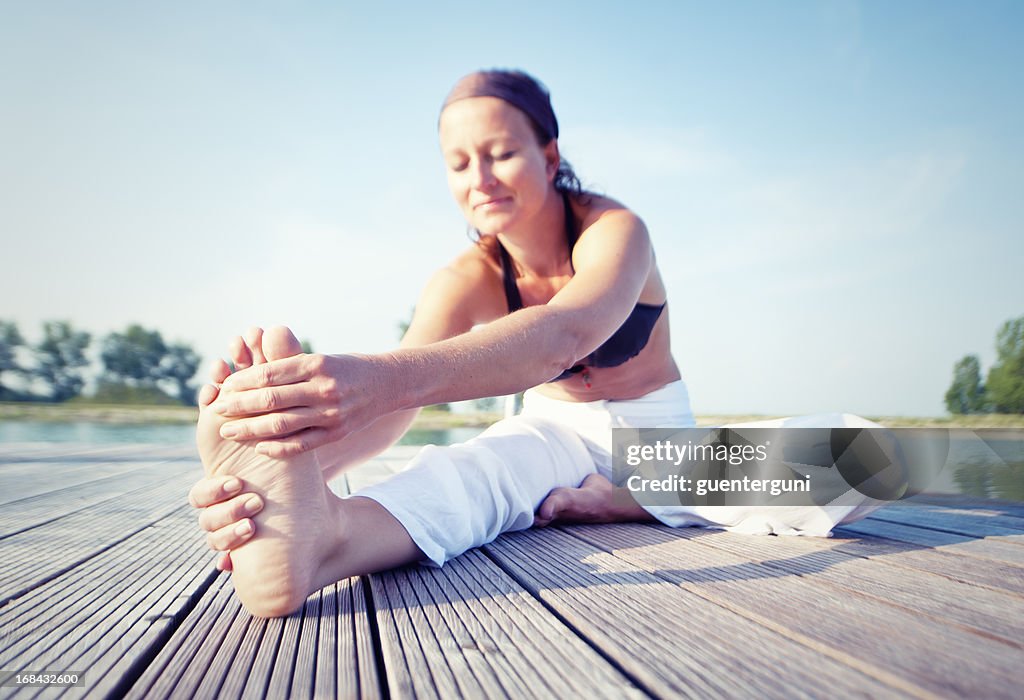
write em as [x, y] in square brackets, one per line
[624, 344]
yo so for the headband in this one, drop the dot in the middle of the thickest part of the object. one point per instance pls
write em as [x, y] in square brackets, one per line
[515, 87]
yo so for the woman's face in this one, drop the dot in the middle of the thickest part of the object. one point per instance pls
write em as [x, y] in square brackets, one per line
[497, 172]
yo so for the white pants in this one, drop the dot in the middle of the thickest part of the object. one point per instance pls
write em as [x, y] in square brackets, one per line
[451, 499]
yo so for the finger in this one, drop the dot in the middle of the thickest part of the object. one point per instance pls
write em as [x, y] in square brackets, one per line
[256, 402]
[207, 492]
[232, 536]
[273, 425]
[220, 515]
[239, 352]
[254, 339]
[286, 371]
[303, 441]
[224, 562]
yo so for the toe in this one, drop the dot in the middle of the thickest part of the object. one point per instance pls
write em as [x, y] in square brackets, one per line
[240, 354]
[279, 342]
[254, 339]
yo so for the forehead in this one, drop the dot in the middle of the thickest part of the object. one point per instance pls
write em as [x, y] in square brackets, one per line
[478, 120]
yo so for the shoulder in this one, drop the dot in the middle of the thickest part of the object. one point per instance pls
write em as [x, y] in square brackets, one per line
[605, 216]
[469, 286]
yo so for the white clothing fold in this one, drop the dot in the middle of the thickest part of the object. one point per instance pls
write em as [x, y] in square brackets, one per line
[451, 499]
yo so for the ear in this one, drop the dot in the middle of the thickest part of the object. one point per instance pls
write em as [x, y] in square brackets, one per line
[552, 159]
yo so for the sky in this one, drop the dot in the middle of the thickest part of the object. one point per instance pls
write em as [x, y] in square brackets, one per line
[832, 188]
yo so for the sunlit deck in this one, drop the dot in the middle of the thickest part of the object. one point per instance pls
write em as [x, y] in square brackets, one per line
[105, 573]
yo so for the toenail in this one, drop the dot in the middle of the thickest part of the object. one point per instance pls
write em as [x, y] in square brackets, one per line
[244, 528]
[228, 431]
[232, 485]
[253, 505]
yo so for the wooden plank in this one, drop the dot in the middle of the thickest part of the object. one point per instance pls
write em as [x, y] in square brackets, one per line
[368, 683]
[76, 538]
[109, 601]
[31, 480]
[962, 522]
[27, 513]
[962, 501]
[162, 677]
[671, 642]
[549, 658]
[995, 613]
[879, 639]
[467, 629]
[980, 549]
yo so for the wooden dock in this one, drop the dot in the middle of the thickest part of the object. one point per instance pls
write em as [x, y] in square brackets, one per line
[103, 572]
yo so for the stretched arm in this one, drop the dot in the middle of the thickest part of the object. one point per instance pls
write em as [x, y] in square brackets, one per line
[439, 361]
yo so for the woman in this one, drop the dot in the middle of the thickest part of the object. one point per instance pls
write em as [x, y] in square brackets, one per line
[567, 301]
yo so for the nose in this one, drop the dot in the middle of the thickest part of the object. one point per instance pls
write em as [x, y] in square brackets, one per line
[481, 176]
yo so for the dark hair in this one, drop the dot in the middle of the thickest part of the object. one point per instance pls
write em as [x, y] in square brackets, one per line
[529, 96]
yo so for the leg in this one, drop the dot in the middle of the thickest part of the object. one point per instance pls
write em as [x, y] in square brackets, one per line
[451, 499]
[306, 537]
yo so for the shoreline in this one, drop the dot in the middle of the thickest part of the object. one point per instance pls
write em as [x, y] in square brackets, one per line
[126, 414]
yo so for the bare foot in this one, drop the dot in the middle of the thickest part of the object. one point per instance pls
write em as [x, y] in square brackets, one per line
[596, 500]
[300, 527]
[305, 536]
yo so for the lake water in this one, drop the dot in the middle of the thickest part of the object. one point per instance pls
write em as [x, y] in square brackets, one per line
[172, 434]
[985, 469]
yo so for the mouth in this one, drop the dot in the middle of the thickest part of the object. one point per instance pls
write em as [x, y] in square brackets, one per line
[492, 203]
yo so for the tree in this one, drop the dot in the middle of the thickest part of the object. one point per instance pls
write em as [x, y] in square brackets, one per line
[134, 357]
[60, 355]
[10, 340]
[966, 394]
[1005, 382]
[179, 365]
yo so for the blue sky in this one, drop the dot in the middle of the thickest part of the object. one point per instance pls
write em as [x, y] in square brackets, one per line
[831, 187]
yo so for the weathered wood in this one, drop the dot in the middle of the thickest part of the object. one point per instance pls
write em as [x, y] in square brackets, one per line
[71, 540]
[104, 618]
[673, 643]
[103, 566]
[904, 649]
[964, 522]
[988, 549]
[996, 613]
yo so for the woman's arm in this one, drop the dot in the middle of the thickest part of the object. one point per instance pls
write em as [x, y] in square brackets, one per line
[612, 260]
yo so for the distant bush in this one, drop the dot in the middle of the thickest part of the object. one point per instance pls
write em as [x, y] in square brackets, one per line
[108, 391]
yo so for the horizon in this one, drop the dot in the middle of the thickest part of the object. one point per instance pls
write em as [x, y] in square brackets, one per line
[829, 188]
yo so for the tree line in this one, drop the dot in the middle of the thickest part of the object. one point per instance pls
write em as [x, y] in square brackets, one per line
[1003, 388]
[138, 365]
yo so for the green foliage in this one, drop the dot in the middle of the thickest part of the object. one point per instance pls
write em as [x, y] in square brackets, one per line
[1005, 382]
[10, 340]
[179, 365]
[966, 394]
[307, 346]
[60, 356]
[134, 356]
[139, 358]
[117, 392]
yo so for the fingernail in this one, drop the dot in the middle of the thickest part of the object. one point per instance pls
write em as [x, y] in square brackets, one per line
[228, 431]
[253, 505]
[243, 528]
[232, 485]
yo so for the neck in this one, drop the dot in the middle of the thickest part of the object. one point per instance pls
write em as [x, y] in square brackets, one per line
[539, 247]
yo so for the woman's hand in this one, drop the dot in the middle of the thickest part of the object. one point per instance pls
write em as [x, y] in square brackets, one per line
[299, 403]
[226, 514]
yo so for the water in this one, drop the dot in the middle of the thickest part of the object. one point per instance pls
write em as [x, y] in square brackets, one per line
[992, 469]
[168, 434]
